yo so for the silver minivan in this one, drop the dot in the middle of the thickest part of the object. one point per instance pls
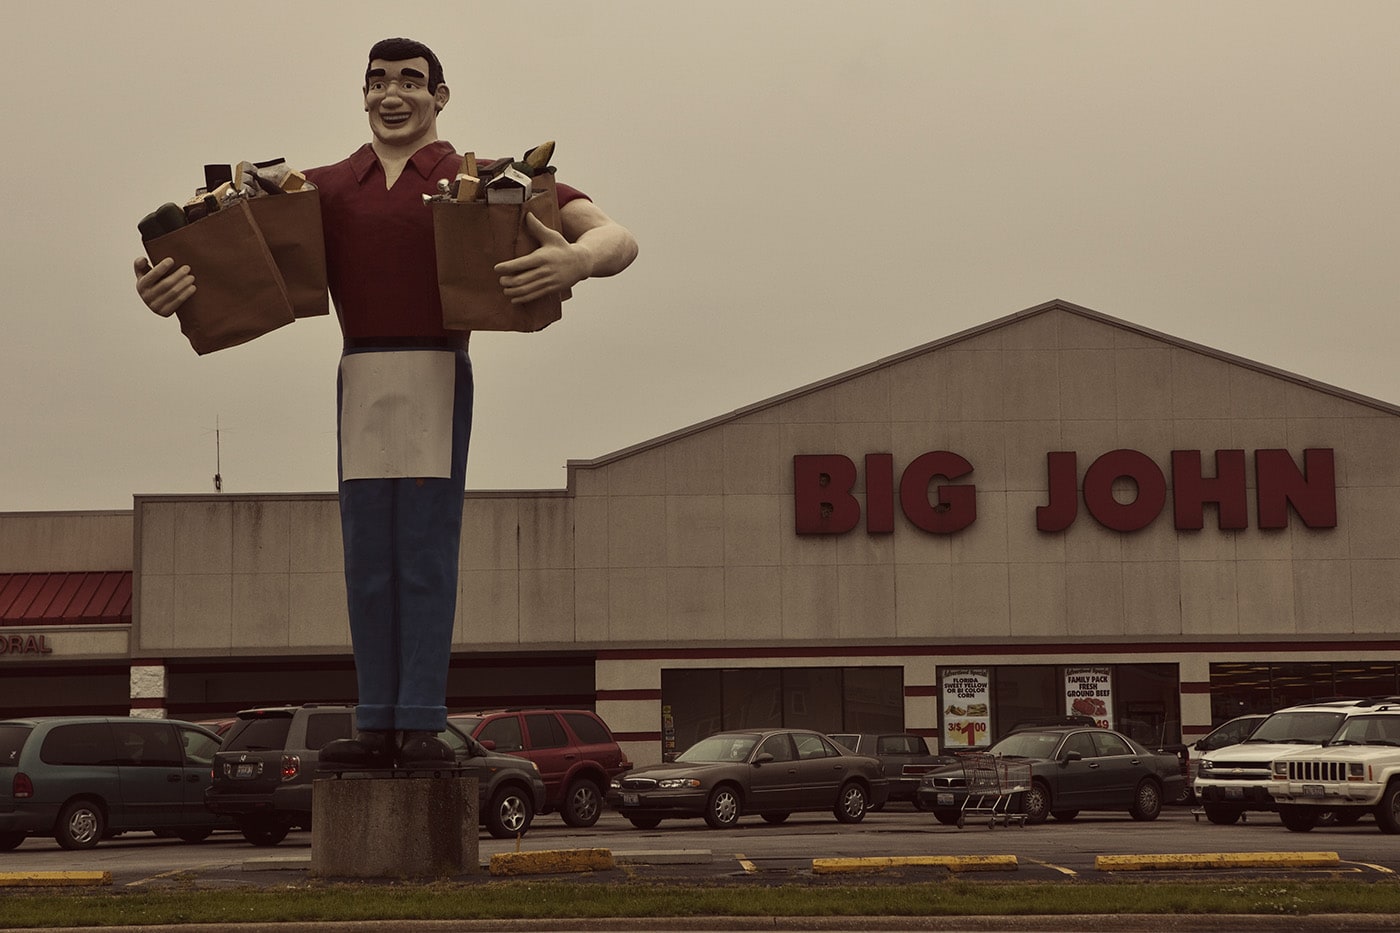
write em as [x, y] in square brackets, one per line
[81, 779]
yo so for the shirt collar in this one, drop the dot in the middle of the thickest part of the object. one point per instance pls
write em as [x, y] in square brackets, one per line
[363, 160]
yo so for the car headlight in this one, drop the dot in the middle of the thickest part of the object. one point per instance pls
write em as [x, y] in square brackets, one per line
[671, 783]
[1207, 764]
[615, 785]
[1280, 769]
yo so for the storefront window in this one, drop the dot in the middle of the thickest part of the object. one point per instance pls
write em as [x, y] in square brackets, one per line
[1257, 687]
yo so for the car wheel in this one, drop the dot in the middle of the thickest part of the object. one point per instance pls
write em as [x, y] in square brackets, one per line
[775, 818]
[723, 808]
[80, 825]
[645, 822]
[1147, 801]
[263, 832]
[1223, 815]
[1388, 810]
[850, 803]
[947, 817]
[1064, 816]
[1298, 819]
[509, 814]
[1036, 803]
[10, 841]
[195, 835]
[583, 803]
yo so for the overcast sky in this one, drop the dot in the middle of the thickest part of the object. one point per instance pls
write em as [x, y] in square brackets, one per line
[814, 186]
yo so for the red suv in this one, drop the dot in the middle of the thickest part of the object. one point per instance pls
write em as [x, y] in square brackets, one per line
[573, 748]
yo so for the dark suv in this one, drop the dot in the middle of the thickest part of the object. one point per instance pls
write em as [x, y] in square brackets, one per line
[264, 770]
[906, 757]
[574, 749]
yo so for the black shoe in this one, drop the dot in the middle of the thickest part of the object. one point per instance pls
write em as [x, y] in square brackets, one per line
[368, 749]
[423, 750]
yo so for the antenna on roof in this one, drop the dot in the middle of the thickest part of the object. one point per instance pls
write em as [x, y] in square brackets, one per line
[218, 475]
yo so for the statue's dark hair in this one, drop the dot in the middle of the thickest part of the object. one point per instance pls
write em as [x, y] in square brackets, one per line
[397, 50]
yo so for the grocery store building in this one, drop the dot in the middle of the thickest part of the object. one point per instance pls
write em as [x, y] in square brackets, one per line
[1057, 511]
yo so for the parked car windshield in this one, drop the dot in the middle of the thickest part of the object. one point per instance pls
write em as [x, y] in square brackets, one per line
[1303, 728]
[720, 748]
[1027, 745]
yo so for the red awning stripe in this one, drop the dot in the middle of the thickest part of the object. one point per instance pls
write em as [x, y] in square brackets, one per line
[77, 598]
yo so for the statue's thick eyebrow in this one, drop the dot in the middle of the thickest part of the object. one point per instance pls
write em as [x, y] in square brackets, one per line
[409, 72]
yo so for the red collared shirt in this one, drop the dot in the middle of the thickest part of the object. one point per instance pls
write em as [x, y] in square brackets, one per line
[380, 258]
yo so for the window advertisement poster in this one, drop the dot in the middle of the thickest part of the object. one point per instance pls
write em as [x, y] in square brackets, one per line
[967, 711]
[1089, 692]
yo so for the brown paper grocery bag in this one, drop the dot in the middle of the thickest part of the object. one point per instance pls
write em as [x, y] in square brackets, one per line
[239, 292]
[473, 236]
[291, 225]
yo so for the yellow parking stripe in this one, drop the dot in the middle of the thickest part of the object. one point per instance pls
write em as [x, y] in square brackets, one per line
[744, 863]
[23, 879]
[1187, 861]
[827, 866]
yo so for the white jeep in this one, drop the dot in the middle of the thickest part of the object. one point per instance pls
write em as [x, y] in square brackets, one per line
[1355, 773]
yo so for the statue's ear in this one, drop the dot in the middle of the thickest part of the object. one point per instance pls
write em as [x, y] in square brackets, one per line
[440, 97]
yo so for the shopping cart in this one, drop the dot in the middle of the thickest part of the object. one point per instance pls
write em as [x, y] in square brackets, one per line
[993, 784]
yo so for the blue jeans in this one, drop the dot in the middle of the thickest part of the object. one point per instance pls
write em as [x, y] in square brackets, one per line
[402, 540]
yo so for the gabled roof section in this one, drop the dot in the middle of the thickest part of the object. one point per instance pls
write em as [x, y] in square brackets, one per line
[83, 598]
[1048, 307]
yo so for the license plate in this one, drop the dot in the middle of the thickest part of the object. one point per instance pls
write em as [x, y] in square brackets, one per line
[244, 771]
[1313, 790]
[630, 800]
[945, 800]
[1234, 793]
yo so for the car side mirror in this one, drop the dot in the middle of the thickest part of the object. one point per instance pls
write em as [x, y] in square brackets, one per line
[762, 758]
[488, 744]
[1070, 756]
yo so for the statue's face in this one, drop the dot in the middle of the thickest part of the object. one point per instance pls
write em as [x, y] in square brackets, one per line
[401, 109]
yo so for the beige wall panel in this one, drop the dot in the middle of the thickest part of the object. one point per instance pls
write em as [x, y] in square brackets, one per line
[1264, 544]
[1085, 333]
[488, 608]
[633, 716]
[917, 547]
[1210, 544]
[204, 537]
[1024, 542]
[639, 474]
[923, 600]
[637, 531]
[982, 444]
[50, 542]
[985, 540]
[1254, 434]
[489, 539]
[981, 600]
[1156, 542]
[695, 603]
[1027, 443]
[753, 530]
[591, 606]
[753, 604]
[810, 599]
[694, 531]
[591, 532]
[1032, 389]
[156, 550]
[261, 607]
[861, 547]
[590, 482]
[1094, 598]
[866, 598]
[808, 549]
[1304, 401]
[1322, 596]
[153, 613]
[1370, 451]
[974, 386]
[630, 674]
[695, 464]
[1267, 599]
[1143, 383]
[314, 530]
[1154, 437]
[261, 537]
[203, 610]
[1089, 440]
[1038, 602]
[859, 399]
[1374, 515]
[546, 534]
[911, 439]
[1206, 435]
[1039, 332]
[1254, 394]
[546, 607]
[1322, 543]
[755, 461]
[918, 387]
[1086, 541]
[1209, 598]
[1152, 598]
[318, 613]
[1088, 386]
[1200, 385]
[1375, 596]
[994, 339]
[637, 604]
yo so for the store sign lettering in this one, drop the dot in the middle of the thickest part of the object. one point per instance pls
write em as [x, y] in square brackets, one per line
[931, 499]
[24, 644]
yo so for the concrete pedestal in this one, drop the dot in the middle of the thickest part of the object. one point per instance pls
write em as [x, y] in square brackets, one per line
[394, 827]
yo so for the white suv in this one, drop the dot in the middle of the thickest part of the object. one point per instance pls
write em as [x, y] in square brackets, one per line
[1355, 773]
[1237, 778]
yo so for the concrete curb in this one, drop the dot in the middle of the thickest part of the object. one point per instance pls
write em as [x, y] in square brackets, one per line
[954, 863]
[53, 879]
[551, 861]
[1188, 861]
[664, 857]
